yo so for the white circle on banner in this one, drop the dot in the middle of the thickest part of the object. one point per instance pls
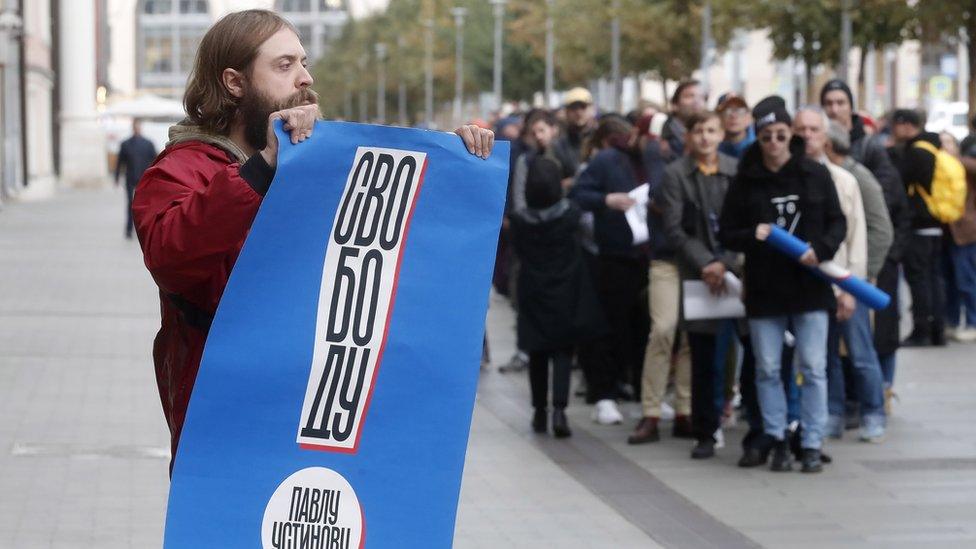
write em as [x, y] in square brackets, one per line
[314, 508]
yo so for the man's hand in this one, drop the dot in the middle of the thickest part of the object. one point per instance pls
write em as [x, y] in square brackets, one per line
[297, 121]
[479, 141]
[846, 304]
[762, 231]
[809, 258]
[619, 201]
[713, 275]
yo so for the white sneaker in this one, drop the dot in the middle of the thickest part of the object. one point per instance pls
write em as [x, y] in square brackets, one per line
[965, 335]
[667, 412]
[606, 413]
[719, 437]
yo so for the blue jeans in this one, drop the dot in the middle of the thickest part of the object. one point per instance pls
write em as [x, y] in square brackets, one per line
[856, 333]
[961, 285]
[810, 330]
[887, 369]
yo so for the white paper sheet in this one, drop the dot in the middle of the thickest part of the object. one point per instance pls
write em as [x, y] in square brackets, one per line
[701, 304]
[637, 214]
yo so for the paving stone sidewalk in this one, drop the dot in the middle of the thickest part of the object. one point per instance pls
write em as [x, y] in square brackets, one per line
[83, 444]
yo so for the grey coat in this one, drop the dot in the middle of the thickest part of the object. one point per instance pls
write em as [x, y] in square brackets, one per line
[691, 206]
[881, 233]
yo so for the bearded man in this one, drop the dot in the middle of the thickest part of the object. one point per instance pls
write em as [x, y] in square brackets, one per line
[194, 206]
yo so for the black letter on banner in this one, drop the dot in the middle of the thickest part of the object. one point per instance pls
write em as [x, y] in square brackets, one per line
[334, 361]
[376, 257]
[343, 271]
[364, 161]
[408, 163]
[349, 404]
[374, 194]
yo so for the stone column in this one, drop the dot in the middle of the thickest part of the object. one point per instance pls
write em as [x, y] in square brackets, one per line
[83, 155]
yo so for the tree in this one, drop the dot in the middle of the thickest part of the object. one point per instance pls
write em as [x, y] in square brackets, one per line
[955, 22]
[876, 24]
[805, 30]
[663, 37]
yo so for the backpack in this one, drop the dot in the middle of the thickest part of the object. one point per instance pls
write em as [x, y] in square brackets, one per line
[947, 200]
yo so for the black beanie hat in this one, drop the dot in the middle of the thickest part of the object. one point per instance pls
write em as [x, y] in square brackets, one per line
[834, 85]
[770, 111]
[543, 186]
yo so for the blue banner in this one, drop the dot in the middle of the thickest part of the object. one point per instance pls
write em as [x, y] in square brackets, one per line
[334, 399]
[862, 290]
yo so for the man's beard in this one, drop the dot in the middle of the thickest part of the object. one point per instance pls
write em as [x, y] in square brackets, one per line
[255, 108]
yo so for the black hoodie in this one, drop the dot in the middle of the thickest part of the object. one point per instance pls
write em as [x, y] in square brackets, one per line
[800, 198]
[917, 167]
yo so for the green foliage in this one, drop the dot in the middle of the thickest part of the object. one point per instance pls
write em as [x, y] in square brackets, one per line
[658, 37]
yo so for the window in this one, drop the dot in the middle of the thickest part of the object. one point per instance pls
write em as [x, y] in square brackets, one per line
[189, 42]
[296, 5]
[193, 6]
[157, 51]
[316, 21]
[155, 7]
[169, 34]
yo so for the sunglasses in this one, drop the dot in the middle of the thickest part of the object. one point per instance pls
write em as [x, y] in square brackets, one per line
[767, 137]
[730, 112]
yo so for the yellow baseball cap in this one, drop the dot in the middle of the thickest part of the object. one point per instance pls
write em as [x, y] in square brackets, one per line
[577, 95]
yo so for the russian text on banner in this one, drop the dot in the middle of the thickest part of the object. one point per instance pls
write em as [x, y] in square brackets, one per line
[334, 399]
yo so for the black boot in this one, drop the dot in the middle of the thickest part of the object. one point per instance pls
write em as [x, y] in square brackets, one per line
[782, 458]
[918, 338]
[703, 449]
[811, 461]
[560, 427]
[756, 452]
[539, 420]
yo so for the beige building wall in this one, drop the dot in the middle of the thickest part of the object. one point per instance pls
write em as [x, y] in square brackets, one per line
[39, 79]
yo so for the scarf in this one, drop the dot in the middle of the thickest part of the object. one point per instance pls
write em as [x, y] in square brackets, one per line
[186, 131]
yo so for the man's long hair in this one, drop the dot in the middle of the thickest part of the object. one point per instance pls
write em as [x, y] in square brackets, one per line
[232, 43]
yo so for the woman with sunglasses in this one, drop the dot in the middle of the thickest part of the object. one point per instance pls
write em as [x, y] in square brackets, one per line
[777, 184]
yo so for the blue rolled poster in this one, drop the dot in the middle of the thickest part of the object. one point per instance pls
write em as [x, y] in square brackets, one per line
[863, 291]
[334, 398]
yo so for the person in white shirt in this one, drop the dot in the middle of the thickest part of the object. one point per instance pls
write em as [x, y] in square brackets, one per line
[851, 321]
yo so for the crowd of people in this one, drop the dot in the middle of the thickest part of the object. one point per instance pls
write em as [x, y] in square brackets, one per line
[879, 199]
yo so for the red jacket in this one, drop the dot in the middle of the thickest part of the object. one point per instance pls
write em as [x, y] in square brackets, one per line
[192, 210]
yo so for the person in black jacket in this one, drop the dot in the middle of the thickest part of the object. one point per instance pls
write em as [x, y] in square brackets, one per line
[557, 305]
[923, 252]
[693, 192]
[621, 273]
[777, 184]
[135, 155]
[869, 150]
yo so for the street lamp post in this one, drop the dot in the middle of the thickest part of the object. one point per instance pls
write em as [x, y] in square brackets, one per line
[401, 86]
[615, 53]
[380, 83]
[706, 43]
[363, 96]
[429, 73]
[458, 14]
[550, 51]
[845, 39]
[499, 6]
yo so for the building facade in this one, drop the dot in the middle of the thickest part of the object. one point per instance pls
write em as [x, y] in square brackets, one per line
[27, 98]
[152, 43]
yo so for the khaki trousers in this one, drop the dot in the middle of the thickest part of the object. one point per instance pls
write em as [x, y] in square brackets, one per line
[664, 293]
